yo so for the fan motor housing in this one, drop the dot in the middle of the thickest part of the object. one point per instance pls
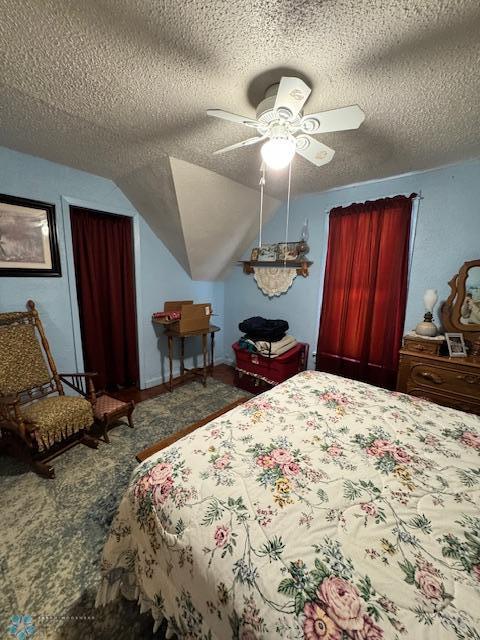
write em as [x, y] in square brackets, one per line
[266, 114]
[265, 111]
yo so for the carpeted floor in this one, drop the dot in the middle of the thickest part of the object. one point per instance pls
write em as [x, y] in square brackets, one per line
[52, 531]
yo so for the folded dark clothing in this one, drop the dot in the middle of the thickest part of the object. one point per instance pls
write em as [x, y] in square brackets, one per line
[258, 328]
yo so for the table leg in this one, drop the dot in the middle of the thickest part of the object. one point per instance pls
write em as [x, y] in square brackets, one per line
[170, 359]
[204, 349]
[212, 351]
[182, 356]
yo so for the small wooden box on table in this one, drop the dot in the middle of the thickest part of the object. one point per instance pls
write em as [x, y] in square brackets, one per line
[194, 321]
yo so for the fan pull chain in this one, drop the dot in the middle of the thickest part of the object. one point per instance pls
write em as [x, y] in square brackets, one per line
[288, 210]
[262, 185]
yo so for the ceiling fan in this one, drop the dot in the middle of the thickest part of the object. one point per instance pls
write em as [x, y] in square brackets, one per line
[281, 123]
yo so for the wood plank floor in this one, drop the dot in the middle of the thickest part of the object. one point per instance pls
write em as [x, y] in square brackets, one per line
[222, 372]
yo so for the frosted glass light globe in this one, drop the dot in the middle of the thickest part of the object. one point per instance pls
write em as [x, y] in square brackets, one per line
[278, 152]
[430, 299]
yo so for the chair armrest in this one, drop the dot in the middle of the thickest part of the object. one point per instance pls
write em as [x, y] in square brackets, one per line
[10, 416]
[81, 383]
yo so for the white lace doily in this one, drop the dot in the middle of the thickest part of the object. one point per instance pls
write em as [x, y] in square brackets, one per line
[274, 281]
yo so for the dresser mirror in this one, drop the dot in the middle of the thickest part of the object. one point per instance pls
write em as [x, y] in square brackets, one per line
[470, 309]
[461, 311]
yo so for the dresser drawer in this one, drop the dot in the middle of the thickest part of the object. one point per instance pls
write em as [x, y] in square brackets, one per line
[422, 346]
[447, 400]
[437, 377]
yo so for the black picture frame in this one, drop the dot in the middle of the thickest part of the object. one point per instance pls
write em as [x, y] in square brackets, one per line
[49, 245]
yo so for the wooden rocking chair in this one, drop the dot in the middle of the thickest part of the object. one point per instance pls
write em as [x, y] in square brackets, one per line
[37, 420]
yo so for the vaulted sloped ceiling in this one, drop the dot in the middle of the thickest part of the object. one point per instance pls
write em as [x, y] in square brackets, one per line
[205, 219]
[117, 87]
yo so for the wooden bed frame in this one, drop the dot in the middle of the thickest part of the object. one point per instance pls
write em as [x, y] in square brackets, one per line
[166, 442]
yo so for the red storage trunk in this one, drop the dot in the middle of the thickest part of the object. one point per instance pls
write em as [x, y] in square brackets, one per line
[256, 373]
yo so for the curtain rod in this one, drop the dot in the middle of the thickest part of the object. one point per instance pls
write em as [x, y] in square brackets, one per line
[418, 197]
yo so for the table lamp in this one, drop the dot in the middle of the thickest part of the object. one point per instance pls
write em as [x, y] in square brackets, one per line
[427, 327]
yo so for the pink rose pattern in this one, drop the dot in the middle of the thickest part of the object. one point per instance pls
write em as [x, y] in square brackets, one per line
[370, 508]
[223, 461]
[429, 584]
[471, 439]
[342, 603]
[299, 470]
[221, 536]
[158, 483]
[338, 610]
[335, 450]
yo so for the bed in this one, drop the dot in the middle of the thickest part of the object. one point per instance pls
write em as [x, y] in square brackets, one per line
[322, 509]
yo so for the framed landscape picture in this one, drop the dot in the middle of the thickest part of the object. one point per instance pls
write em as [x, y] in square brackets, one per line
[28, 238]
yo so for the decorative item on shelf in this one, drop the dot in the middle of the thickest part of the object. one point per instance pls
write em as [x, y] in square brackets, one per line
[274, 281]
[300, 266]
[275, 266]
[267, 253]
[287, 251]
[456, 345]
[427, 327]
[302, 246]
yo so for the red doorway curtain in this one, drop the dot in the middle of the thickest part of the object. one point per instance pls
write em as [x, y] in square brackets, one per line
[104, 271]
[365, 290]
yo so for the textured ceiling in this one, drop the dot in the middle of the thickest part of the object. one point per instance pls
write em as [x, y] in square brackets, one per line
[109, 86]
[115, 87]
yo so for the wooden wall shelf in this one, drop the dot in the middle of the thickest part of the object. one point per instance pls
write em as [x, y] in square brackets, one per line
[302, 266]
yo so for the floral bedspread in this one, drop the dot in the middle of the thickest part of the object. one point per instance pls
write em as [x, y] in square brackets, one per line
[323, 509]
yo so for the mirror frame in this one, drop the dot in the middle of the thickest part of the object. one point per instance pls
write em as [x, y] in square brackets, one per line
[450, 312]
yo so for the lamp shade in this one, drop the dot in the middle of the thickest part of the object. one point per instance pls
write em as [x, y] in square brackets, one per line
[430, 298]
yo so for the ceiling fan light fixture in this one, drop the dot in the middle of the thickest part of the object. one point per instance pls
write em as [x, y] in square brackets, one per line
[277, 153]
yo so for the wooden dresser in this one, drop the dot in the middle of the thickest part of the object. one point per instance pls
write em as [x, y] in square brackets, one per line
[454, 382]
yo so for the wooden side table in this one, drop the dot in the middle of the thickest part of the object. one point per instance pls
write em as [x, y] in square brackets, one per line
[199, 371]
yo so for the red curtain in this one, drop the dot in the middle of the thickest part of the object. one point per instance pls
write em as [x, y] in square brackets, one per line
[104, 270]
[365, 290]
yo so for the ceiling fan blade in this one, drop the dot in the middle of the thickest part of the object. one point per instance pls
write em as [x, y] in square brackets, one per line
[232, 117]
[314, 151]
[237, 145]
[334, 120]
[292, 95]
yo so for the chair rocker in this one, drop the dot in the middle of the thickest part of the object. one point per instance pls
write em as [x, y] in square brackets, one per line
[37, 420]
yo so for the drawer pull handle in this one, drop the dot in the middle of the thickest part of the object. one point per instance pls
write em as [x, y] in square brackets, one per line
[428, 375]
[469, 379]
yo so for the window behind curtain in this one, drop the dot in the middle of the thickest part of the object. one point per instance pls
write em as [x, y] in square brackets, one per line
[365, 290]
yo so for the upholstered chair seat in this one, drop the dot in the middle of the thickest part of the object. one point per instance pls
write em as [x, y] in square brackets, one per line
[57, 418]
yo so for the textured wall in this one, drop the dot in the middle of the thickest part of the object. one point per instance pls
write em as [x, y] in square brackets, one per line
[448, 234]
[161, 276]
